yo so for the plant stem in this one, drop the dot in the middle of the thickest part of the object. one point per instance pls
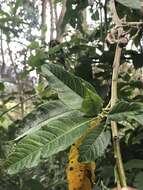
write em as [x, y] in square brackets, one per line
[114, 128]
[10, 109]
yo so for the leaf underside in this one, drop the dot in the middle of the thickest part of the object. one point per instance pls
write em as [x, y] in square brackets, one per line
[54, 136]
[73, 91]
[65, 93]
[34, 120]
[95, 144]
[127, 111]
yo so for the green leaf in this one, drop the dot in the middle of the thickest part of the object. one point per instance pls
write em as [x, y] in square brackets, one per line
[65, 94]
[2, 87]
[135, 4]
[139, 181]
[17, 4]
[95, 144]
[95, 15]
[127, 111]
[54, 136]
[37, 59]
[137, 139]
[77, 87]
[139, 118]
[91, 104]
[34, 120]
[33, 184]
[77, 84]
[133, 164]
[40, 88]
[34, 45]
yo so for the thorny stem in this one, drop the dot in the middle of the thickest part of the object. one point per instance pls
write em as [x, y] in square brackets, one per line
[114, 128]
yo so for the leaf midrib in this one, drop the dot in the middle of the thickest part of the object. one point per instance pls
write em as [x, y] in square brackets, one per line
[42, 147]
[40, 124]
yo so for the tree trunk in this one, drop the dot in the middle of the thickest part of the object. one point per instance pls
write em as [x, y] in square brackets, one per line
[84, 22]
[43, 22]
[52, 22]
[60, 22]
[3, 65]
[56, 15]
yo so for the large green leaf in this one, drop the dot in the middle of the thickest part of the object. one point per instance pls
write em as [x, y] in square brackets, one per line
[65, 94]
[77, 84]
[139, 180]
[91, 104]
[127, 111]
[33, 184]
[133, 164]
[135, 4]
[79, 89]
[95, 144]
[34, 120]
[37, 59]
[54, 136]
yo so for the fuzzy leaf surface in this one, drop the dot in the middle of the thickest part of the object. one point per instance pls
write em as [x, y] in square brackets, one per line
[95, 144]
[91, 104]
[54, 136]
[127, 111]
[65, 93]
[35, 119]
[78, 86]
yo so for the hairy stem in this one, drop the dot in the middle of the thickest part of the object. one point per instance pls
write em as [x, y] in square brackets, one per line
[114, 128]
